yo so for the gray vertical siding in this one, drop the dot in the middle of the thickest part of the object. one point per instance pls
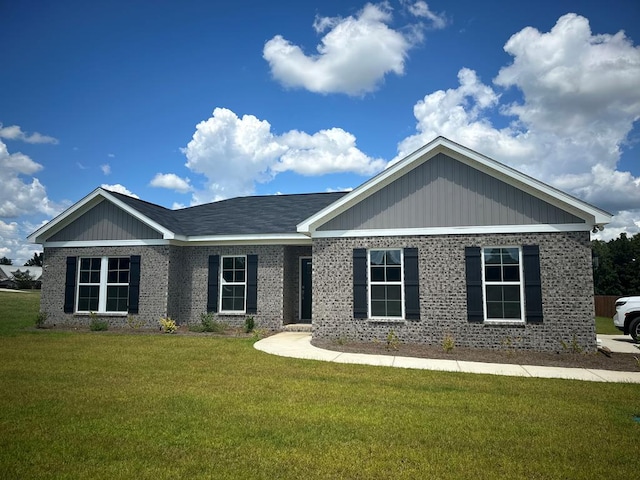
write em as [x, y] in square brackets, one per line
[105, 221]
[444, 192]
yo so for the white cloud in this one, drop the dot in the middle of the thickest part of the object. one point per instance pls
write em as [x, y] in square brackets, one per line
[327, 151]
[19, 195]
[14, 132]
[13, 244]
[106, 168]
[353, 57]
[111, 155]
[421, 9]
[118, 188]
[235, 153]
[580, 100]
[172, 182]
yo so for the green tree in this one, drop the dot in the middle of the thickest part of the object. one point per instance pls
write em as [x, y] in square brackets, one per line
[36, 261]
[6, 261]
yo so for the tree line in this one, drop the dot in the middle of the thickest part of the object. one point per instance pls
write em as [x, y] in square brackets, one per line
[616, 266]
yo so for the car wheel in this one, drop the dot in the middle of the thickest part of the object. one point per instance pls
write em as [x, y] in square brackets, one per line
[634, 329]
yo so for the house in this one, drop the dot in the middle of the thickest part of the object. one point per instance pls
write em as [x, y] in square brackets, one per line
[8, 271]
[444, 244]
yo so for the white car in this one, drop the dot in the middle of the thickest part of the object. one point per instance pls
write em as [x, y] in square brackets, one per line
[627, 317]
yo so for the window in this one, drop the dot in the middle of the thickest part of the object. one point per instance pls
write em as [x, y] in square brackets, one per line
[502, 281]
[103, 284]
[385, 284]
[233, 284]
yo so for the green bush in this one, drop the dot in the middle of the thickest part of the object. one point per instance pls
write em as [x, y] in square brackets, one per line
[249, 324]
[209, 324]
[41, 319]
[97, 325]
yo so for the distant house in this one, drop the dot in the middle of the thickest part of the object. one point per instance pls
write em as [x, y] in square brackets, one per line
[444, 243]
[7, 272]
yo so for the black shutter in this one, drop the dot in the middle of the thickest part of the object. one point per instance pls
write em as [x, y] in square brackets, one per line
[70, 285]
[532, 283]
[212, 283]
[360, 309]
[473, 263]
[411, 284]
[252, 283]
[134, 283]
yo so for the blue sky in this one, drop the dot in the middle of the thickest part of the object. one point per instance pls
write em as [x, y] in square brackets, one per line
[181, 103]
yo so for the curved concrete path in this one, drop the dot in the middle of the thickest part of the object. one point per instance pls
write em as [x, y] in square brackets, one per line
[298, 345]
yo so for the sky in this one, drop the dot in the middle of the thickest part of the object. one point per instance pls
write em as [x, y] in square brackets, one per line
[183, 103]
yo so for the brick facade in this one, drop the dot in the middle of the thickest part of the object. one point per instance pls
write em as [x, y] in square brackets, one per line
[173, 282]
[567, 293]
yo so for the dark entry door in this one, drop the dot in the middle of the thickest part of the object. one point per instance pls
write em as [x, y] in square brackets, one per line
[305, 290]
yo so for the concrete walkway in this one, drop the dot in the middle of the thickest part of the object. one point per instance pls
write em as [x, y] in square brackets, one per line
[298, 345]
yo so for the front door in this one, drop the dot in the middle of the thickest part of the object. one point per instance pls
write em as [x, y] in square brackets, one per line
[305, 290]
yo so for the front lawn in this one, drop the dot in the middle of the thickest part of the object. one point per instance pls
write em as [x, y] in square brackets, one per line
[107, 406]
[605, 326]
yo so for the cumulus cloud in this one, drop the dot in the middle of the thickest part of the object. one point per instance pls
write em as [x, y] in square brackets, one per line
[234, 153]
[20, 195]
[353, 56]
[106, 168]
[118, 188]
[14, 132]
[580, 99]
[171, 181]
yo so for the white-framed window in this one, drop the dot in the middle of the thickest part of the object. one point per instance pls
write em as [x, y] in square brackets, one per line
[386, 292]
[502, 283]
[103, 284]
[233, 284]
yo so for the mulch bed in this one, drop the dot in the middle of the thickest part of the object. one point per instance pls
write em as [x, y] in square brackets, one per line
[624, 362]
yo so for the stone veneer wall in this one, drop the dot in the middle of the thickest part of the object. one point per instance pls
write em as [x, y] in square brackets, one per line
[567, 293]
[154, 265]
[189, 284]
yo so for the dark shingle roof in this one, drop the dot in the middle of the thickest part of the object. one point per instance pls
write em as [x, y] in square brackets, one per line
[237, 216]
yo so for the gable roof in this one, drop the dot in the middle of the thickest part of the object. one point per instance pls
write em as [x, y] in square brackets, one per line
[592, 216]
[258, 216]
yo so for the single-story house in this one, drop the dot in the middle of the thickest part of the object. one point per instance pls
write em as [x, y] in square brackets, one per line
[444, 244]
[7, 273]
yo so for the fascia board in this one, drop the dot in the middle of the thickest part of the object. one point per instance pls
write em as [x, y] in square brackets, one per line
[459, 230]
[255, 239]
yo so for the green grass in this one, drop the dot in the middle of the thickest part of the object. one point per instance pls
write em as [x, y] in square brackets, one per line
[111, 406]
[604, 326]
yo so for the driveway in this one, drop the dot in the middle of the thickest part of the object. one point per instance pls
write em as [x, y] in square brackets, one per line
[619, 343]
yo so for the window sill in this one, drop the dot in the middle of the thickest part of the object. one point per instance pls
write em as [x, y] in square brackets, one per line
[505, 323]
[387, 320]
[233, 314]
[101, 314]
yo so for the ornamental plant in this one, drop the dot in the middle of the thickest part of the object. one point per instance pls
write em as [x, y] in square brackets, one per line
[167, 325]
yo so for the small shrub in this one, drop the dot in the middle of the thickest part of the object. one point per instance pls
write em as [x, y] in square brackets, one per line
[41, 319]
[196, 327]
[572, 346]
[134, 322]
[393, 342]
[260, 333]
[448, 344]
[249, 324]
[97, 325]
[209, 324]
[340, 340]
[167, 325]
